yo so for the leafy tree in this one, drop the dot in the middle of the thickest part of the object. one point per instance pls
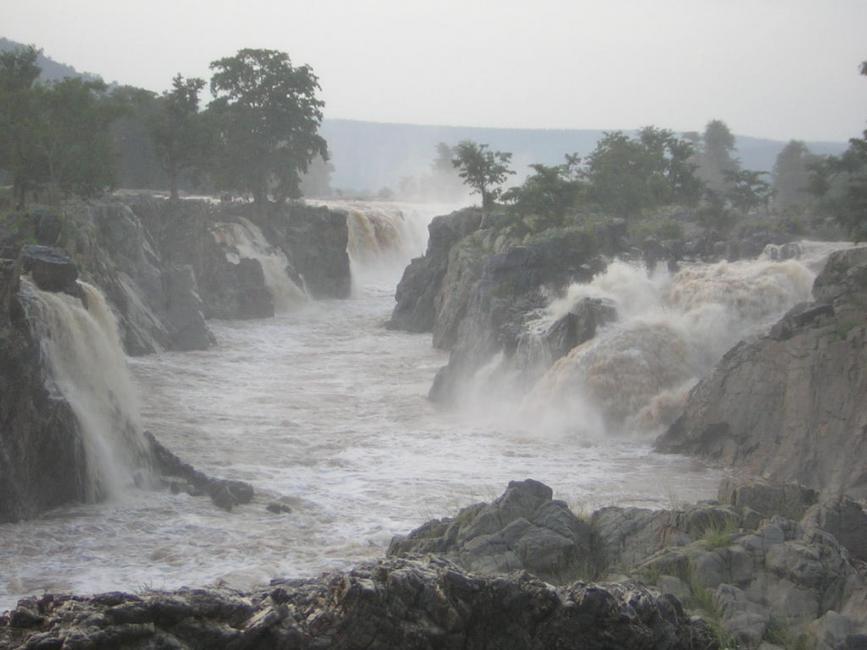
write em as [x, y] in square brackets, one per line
[482, 170]
[791, 178]
[628, 175]
[177, 129]
[716, 157]
[549, 192]
[267, 117]
[19, 123]
[747, 189]
[840, 182]
[74, 137]
[137, 162]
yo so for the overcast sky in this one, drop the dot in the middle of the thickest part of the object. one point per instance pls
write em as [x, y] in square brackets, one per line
[774, 68]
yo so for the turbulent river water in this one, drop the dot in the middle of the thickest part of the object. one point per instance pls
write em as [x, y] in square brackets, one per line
[326, 410]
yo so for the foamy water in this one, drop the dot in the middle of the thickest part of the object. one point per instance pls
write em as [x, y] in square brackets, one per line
[326, 410]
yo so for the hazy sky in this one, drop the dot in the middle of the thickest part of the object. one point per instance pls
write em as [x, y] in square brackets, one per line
[773, 68]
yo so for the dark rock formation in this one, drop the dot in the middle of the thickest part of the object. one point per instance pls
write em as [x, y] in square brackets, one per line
[183, 477]
[522, 529]
[792, 406]
[50, 268]
[578, 326]
[389, 604]
[489, 314]
[422, 280]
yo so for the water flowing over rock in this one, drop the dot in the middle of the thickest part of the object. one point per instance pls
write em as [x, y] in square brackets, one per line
[71, 430]
[242, 240]
[792, 406]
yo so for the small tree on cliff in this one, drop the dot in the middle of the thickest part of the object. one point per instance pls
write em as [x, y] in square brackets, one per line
[267, 117]
[481, 169]
[178, 130]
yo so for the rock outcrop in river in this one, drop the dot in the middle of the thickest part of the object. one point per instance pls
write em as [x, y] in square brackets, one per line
[167, 266]
[792, 406]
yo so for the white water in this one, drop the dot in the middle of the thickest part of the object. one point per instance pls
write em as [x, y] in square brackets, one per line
[244, 239]
[634, 375]
[326, 409]
[87, 366]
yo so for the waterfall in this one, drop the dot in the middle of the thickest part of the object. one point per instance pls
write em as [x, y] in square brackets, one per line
[244, 239]
[86, 366]
[671, 328]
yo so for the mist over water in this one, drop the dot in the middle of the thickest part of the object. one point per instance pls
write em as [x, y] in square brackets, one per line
[326, 410]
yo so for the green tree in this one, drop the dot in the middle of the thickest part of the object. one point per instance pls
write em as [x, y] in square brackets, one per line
[267, 116]
[19, 121]
[74, 136]
[716, 157]
[791, 178]
[840, 183]
[747, 189]
[628, 175]
[550, 192]
[177, 129]
[481, 169]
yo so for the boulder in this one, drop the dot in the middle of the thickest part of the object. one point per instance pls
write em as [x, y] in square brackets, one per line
[524, 529]
[51, 268]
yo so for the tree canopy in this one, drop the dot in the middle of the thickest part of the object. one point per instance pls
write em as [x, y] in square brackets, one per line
[483, 170]
[266, 115]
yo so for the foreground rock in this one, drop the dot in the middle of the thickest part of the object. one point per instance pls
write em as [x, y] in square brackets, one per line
[384, 605]
[792, 406]
[523, 529]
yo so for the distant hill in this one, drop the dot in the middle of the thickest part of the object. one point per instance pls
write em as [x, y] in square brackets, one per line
[51, 69]
[370, 155]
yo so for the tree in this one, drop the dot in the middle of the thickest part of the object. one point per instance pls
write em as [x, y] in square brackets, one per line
[267, 116]
[19, 123]
[840, 182]
[74, 137]
[717, 155]
[747, 189]
[549, 192]
[628, 175]
[791, 178]
[177, 129]
[482, 170]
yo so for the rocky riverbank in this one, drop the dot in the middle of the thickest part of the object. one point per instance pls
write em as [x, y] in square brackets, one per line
[766, 566]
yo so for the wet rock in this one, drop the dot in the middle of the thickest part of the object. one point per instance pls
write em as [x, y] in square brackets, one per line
[845, 519]
[522, 529]
[51, 268]
[184, 310]
[578, 326]
[789, 500]
[394, 603]
[225, 494]
[278, 508]
[422, 280]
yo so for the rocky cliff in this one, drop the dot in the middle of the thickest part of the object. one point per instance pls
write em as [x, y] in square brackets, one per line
[167, 266]
[793, 404]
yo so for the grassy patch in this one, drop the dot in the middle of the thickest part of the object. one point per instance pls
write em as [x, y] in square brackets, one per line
[718, 536]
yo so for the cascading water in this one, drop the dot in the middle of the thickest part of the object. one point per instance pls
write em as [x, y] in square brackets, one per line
[244, 239]
[384, 236]
[86, 366]
[633, 376]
